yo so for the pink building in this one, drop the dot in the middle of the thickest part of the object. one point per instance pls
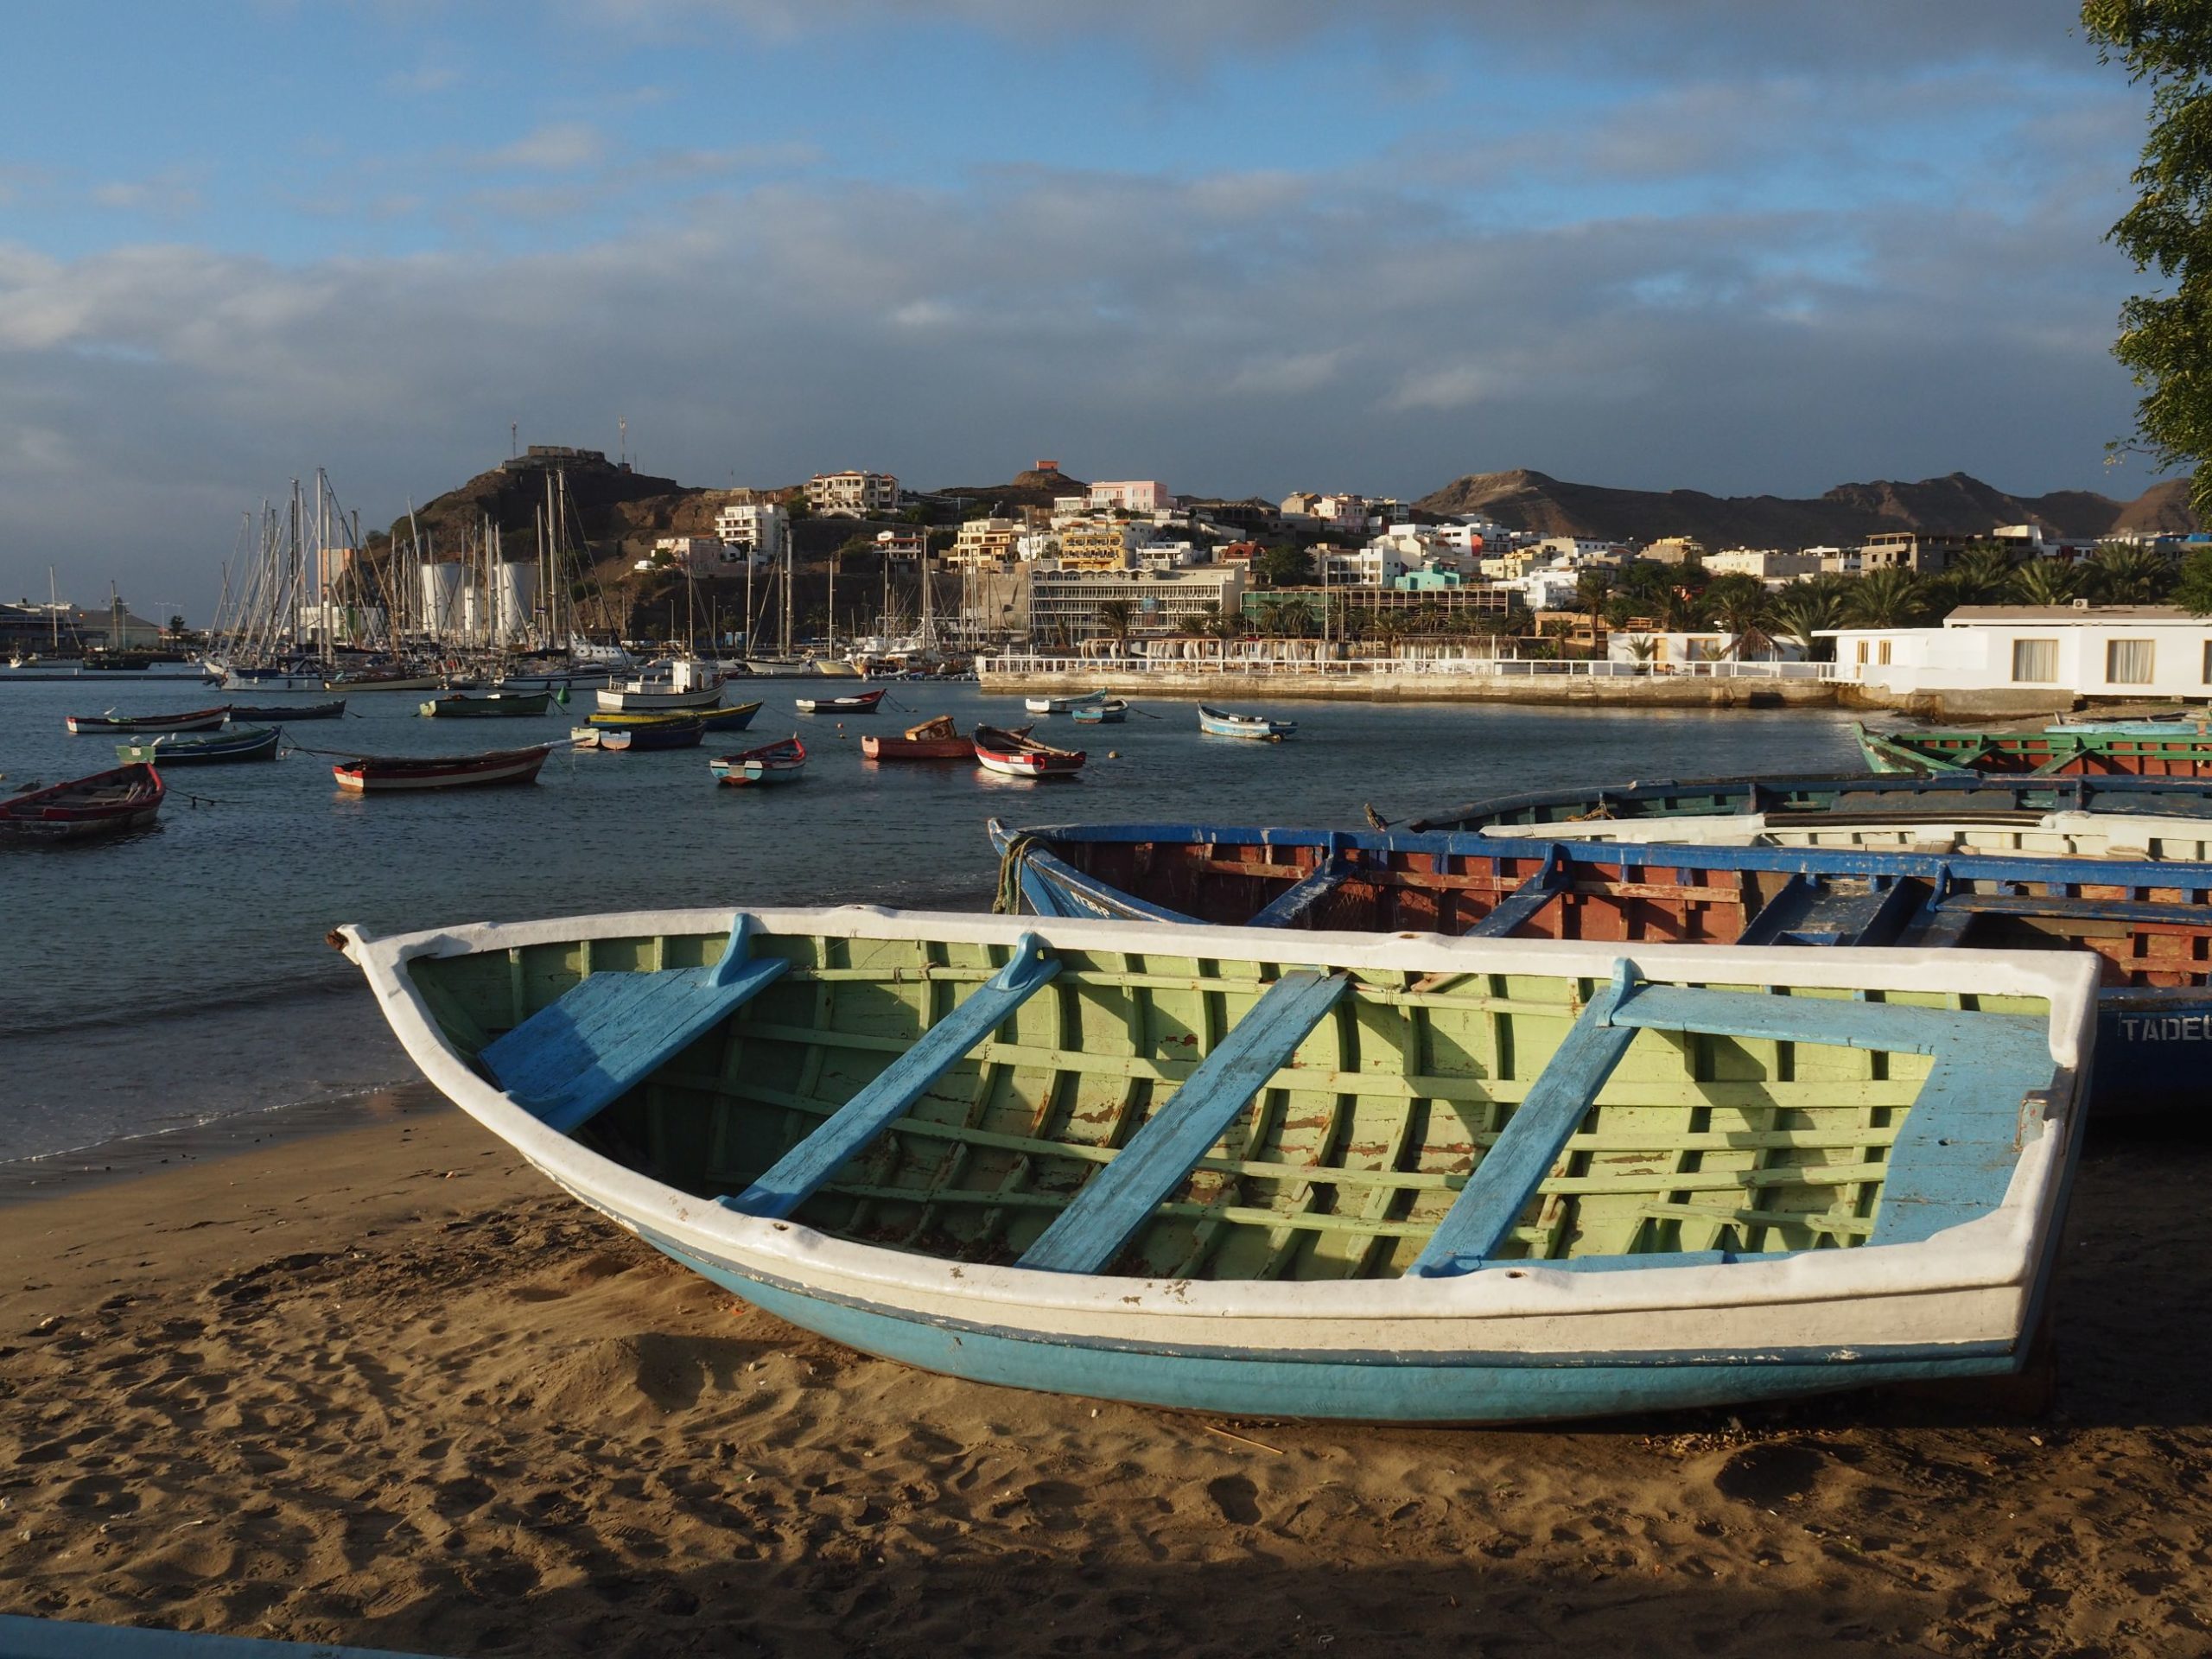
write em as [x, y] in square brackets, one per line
[1134, 495]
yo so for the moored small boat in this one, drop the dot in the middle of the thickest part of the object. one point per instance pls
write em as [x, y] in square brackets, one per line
[683, 682]
[491, 705]
[391, 773]
[2043, 754]
[333, 708]
[111, 803]
[1222, 722]
[219, 748]
[196, 720]
[393, 679]
[1111, 1160]
[933, 739]
[1061, 705]
[780, 762]
[860, 702]
[735, 718]
[1110, 711]
[1016, 754]
[665, 731]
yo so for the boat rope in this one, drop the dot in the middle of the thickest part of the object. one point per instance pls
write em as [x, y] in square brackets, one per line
[1007, 902]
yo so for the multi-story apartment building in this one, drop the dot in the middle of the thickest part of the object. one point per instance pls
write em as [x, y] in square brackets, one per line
[752, 530]
[1131, 495]
[1101, 544]
[1767, 563]
[852, 494]
[1064, 604]
[904, 545]
[1929, 553]
[986, 545]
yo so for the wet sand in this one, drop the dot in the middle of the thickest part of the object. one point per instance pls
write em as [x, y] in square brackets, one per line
[385, 1387]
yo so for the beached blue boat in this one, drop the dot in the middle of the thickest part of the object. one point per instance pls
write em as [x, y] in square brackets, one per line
[2096, 817]
[1221, 722]
[218, 749]
[2148, 924]
[1407, 1179]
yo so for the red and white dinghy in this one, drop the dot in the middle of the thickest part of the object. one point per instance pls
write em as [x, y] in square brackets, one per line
[378, 773]
[111, 802]
[1018, 756]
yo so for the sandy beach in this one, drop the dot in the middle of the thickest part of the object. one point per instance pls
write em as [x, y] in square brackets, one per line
[383, 1386]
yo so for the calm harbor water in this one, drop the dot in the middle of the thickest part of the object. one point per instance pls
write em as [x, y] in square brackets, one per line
[183, 975]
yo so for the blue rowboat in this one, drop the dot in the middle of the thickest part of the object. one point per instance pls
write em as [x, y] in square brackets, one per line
[1409, 1178]
[673, 732]
[1221, 722]
[735, 718]
[2098, 817]
[1110, 711]
[2148, 926]
[219, 748]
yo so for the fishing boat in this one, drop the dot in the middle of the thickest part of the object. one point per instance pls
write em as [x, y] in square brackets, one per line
[735, 718]
[860, 702]
[383, 679]
[1220, 722]
[493, 705]
[780, 762]
[1018, 756]
[219, 748]
[111, 802]
[1060, 705]
[1110, 711]
[383, 773]
[670, 732]
[933, 739]
[1409, 1178]
[2072, 816]
[2147, 925]
[681, 683]
[334, 709]
[197, 720]
[2042, 754]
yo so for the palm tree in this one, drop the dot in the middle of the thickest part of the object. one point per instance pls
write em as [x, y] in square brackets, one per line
[1803, 608]
[1116, 617]
[1740, 606]
[1892, 597]
[1593, 588]
[1980, 576]
[2131, 575]
[2046, 582]
[1287, 618]
[1642, 648]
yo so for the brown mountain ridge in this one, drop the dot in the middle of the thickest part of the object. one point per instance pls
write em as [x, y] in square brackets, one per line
[1958, 504]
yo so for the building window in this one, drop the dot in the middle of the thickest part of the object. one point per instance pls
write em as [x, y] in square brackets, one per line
[2208, 662]
[1862, 653]
[2035, 662]
[2127, 662]
[1883, 657]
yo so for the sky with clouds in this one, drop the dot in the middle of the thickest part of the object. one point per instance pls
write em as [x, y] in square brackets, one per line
[1241, 245]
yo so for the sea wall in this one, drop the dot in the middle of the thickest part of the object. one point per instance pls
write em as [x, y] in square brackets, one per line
[1658, 691]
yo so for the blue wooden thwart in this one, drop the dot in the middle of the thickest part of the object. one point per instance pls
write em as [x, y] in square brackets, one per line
[1122, 1196]
[569, 1061]
[1293, 906]
[801, 1171]
[1520, 907]
[1553, 1109]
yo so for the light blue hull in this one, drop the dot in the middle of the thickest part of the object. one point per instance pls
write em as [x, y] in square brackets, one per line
[1379, 1388]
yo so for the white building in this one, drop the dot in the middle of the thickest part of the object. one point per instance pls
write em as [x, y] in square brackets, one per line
[697, 554]
[985, 545]
[1575, 549]
[1767, 563]
[1131, 495]
[2090, 650]
[852, 494]
[1064, 604]
[754, 530]
[1667, 650]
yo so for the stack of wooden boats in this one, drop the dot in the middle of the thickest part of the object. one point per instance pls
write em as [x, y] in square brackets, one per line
[1381, 1176]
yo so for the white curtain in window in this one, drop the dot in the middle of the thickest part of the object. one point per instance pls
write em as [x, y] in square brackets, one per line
[2127, 662]
[2035, 662]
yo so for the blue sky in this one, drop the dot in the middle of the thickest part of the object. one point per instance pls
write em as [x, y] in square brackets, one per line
[1244, 245]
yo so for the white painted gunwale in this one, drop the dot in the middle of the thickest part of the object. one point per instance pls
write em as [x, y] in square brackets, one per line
[2054, 834]
[1967, 1284]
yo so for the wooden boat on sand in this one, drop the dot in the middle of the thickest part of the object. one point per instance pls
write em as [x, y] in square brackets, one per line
[197, 720]
[2146, 926]
[780, 762]
[283, 714]
[2041, 755]
[491, 705]
[933, 739]
[860, 702]
[2123, 817]
[111, 803]
[1379, 1179]
[390, 773]
[1222, 722]
[218, 749]
[1013, 754]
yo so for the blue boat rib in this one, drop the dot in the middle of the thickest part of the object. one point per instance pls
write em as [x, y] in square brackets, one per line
[800, 1173]
[1525, 902]
[569, 1061]
[1951, 1162]
[1120, 1197]
[1295, 905]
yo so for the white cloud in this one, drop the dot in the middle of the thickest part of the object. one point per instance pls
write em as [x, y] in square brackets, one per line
[558, 147]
